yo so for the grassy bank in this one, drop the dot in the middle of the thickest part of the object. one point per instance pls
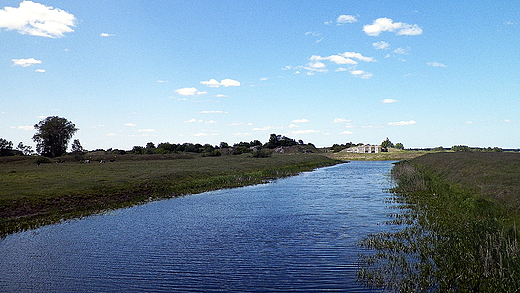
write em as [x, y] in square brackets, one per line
[32, 195]
[458, 234]
[392, 155]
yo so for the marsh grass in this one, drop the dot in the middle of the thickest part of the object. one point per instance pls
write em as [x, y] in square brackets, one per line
[32, 195]
[393, 155]
[452, 238]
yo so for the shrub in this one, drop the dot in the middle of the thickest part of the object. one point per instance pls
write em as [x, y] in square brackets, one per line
[42, 160]
[262, 154]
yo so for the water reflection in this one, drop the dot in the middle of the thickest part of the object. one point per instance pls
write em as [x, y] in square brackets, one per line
[295, 234]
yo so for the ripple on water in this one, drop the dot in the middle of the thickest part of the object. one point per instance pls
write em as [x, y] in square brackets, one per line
[295, 234]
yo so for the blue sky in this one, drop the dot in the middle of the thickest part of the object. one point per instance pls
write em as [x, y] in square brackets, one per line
[424, 74]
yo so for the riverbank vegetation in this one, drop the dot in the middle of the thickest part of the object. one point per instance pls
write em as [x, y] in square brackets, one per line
[391, 154]
[60, 188]
[456, 226]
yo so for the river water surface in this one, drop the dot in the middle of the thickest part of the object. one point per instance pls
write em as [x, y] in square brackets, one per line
[294, 234]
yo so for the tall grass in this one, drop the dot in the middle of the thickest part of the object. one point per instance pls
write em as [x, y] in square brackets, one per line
[450, 240]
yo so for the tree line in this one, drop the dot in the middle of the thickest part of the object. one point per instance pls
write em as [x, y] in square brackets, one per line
[54, 133]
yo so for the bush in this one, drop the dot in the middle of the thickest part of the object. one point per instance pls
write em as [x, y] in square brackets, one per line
[214, 153]
[42, 160]
[262, 154]
[241, 150]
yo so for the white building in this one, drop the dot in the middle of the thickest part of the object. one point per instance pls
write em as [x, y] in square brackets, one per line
[364, 149]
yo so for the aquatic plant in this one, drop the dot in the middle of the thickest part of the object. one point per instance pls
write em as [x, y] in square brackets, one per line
[449, 240]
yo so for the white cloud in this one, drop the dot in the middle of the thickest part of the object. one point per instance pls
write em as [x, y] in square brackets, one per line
[300, 121]
[110, 134]
[382, 45]
[411, 122]
[240, 123]
[361, 73]
[193, 120]
[293, 126]
[340, 120]
[402, 51]
[211, 83]
[314, 34]
[303, 131]
[40, 70]
[130, 124]
[189, 91]
[347, 132]
[106, 35]
[340, 60]
[225, 83]
[507, 121]
[25, 128]
[357, 56]
[242, 134]
[436, 64]
[212, 112]
[146, 130]
[342, 19]
[389, 101]
[200, 134]
[221, 96]
[25, 62]
[387, 25]
[37, 20]
[318, 65]
[265, 128]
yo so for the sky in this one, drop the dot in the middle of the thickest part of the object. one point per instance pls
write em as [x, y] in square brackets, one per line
[422, 73]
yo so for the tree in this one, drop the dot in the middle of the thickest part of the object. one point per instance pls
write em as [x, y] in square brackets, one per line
[5, 147]
[25, 149]
[224, 145]
[278, 140]
[387, 144]
[399, 146]
[53, 135]
[76, 147]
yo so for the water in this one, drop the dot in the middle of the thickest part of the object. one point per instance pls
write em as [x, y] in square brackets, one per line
[294, 234]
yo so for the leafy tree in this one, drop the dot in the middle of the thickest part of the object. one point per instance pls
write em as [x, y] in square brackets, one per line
[150, 148]
[76, 147]
[53, 135]
[224, 145]
[255, 142]
[25, 149]
[5, 147]
[399, 146]
[278, 140]
[138, 150]
[387, 144]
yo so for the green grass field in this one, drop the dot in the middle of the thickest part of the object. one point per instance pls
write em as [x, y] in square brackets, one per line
[32, 195]
[493, 175]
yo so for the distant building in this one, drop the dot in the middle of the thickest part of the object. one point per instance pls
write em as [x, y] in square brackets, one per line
[364, 149]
